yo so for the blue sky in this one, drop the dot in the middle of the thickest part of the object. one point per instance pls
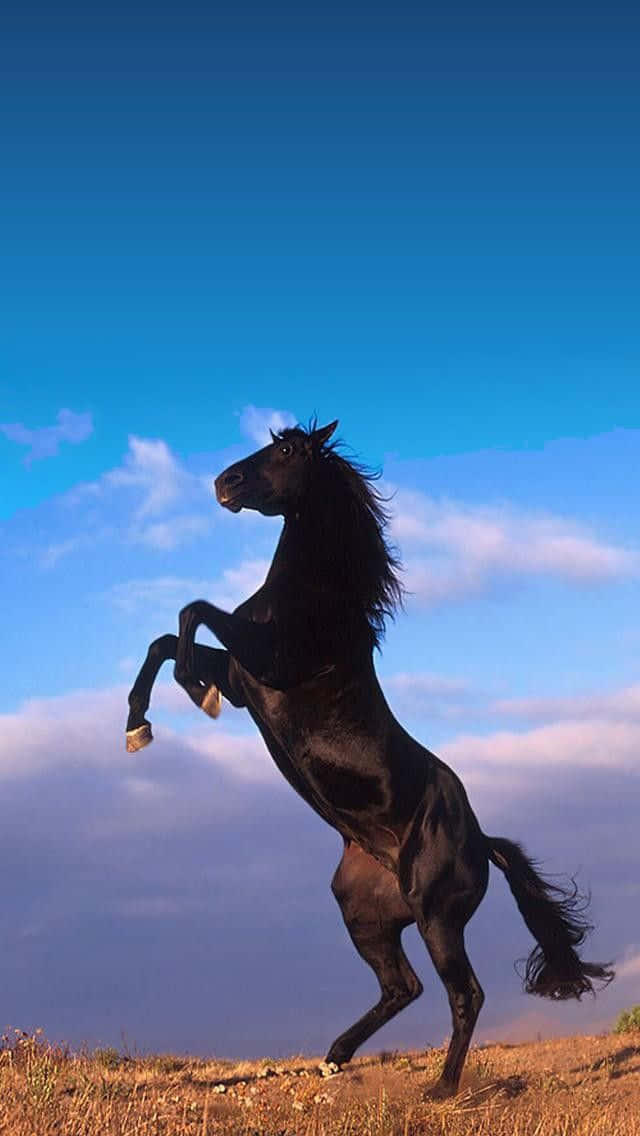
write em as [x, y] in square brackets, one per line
[420, 220]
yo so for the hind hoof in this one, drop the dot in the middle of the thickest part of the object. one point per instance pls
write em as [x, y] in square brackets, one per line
[139, 738]
[328, 1068]
[212, 702]
[441, 1091]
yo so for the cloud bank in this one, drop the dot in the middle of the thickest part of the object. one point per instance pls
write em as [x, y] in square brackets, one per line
[45, 442]
[157, 493]
[454, 550]
[165, 595]
[167, 885]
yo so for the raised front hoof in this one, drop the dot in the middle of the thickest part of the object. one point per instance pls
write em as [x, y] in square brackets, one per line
[442, 1090]
[212, 702]
[139, 738]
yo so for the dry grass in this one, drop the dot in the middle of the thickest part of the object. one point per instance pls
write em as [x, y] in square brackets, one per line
[583, 1086]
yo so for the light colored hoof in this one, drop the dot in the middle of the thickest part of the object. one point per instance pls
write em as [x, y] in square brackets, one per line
[212, 702]
[328, 1069]
[139, 738]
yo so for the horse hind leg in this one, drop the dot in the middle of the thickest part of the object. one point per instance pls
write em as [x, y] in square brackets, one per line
[375, 914]
[445, 885]
[445, 943]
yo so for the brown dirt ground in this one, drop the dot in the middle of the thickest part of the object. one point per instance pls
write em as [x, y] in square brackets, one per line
[580, 1086]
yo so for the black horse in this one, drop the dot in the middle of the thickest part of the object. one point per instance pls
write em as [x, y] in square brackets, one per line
[299, 657]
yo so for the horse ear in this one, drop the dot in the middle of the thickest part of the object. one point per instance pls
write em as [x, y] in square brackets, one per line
[323, 433]
[274, 437]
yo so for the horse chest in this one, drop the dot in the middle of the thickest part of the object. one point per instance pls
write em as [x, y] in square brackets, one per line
[343, 791]
[346, 785]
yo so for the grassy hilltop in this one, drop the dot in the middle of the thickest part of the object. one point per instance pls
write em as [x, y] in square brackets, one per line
[580, 1086]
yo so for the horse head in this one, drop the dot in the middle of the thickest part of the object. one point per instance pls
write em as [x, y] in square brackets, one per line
[274, 479]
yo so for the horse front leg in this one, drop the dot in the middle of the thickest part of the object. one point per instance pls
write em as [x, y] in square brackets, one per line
[211, 680]
[253, 645]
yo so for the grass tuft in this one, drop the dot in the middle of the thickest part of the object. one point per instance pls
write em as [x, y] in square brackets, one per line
[628, 1021]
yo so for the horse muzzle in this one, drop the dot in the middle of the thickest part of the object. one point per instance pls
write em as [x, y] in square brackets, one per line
[227, 489]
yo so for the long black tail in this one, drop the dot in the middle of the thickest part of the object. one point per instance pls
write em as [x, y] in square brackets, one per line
[554, 916]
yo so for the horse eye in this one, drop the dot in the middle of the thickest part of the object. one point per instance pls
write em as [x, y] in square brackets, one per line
[286, 450]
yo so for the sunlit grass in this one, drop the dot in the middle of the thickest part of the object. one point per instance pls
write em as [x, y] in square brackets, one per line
[573, 1087]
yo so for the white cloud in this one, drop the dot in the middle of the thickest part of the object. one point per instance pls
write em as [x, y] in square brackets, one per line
[596, 733]
[244, 758]
[150, 468]
[257, 421]
[431, 695]
[169, 534]
[453, 550]
[59, 549]
[85, 729]
[158, 497]
[238, 583]
[44, 442]
[203, 824]
[162, 594]
[616, 705]
[47, 733]
[599, 743]
[165, 595]
[630, 965]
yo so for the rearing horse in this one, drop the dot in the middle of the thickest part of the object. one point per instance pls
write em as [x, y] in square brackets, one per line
[299, 656]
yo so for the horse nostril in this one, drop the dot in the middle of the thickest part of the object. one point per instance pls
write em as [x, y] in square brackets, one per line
[228, 481]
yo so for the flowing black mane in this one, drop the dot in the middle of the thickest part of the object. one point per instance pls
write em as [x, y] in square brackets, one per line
[350, 521]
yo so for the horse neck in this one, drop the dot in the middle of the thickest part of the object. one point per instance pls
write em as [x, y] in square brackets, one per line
[309, 549]
[281, 556]
[291, 551]
[306, 574]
